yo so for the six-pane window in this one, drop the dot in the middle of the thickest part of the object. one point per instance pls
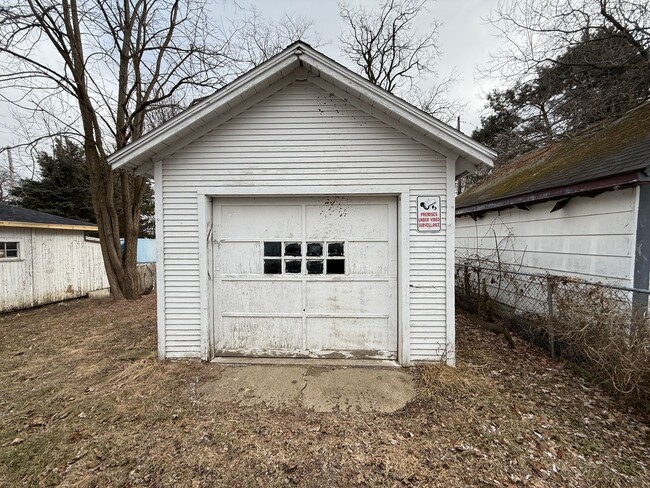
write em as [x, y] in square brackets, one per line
[313, 258]
[8, 250]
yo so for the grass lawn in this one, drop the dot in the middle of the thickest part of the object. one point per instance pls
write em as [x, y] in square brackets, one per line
[84, 402]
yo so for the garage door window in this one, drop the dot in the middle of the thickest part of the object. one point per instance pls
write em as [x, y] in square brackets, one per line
[318, 257]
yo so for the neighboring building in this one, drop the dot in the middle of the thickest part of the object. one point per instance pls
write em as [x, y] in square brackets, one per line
[45, 258]
[287, 210]
[580, 207]
[146, 250]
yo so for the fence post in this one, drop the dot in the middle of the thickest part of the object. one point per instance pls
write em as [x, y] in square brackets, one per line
[478, 290]
[549, 305]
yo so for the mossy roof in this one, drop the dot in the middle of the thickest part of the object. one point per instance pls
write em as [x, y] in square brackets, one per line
[619, 147]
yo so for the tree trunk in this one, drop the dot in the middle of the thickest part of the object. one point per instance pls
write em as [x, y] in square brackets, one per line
[119, 262]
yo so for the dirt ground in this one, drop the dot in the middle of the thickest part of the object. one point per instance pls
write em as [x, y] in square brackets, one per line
[84, 402]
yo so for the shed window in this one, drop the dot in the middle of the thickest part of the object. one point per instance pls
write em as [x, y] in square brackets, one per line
[8, 250]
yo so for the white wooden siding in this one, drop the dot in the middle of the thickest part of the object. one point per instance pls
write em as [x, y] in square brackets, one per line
[300, 135]
[590, 238]
[53, 265]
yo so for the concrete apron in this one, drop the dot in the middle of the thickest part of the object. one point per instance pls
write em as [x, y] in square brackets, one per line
[317, 388]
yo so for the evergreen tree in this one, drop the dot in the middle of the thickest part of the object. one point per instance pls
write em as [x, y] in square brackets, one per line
[63, 188]
[599, 78]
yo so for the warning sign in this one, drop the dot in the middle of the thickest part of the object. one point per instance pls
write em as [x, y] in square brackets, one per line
[429, 214]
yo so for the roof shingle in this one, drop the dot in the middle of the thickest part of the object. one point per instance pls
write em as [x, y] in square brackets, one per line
[13, 213]
[620, 147]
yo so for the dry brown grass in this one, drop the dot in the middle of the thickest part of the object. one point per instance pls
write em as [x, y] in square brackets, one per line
[84, 402]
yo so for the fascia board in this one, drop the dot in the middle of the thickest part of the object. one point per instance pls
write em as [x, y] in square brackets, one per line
[399, 109]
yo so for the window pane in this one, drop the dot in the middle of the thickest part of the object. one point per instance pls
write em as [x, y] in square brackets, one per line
[336, 266]
[335, 249]
[314, 249]
[293, 266]
[315, 266]
[12, 246]
[273, 249]
[293, 249]
[2, 252]
[272, 266]
[12, 253]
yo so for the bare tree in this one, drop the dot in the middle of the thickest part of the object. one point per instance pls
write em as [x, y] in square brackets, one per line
[436, 101]
[384, 44]
[389, 51]
[537, 33]
[258, 39]
[108, 64]
[569, 64]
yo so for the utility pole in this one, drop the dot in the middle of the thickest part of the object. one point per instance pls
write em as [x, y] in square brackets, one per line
[11, 168]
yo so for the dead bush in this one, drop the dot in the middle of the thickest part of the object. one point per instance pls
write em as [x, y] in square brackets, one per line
[600, 331]
[598, 327]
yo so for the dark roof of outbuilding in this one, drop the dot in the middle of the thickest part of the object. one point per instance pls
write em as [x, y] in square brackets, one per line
[617, 148]
[19, 215]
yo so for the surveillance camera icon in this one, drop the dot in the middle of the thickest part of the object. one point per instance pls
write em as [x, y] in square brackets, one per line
[428, 205]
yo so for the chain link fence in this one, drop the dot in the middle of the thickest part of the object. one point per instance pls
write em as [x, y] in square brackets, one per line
[603, 328]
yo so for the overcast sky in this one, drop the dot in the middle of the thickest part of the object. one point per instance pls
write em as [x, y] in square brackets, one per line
[465, 40]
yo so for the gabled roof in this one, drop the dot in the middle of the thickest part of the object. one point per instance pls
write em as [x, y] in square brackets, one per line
[611, 155]
[14, 216]
[188, 125]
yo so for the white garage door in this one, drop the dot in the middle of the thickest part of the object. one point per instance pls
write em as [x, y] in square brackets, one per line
[309, 277]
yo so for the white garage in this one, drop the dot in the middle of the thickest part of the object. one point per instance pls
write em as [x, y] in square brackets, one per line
[302, 212]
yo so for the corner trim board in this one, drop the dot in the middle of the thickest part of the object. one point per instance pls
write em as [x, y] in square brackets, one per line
[160, 257]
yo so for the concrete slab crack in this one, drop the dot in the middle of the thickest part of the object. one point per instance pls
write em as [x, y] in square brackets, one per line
[303, 378]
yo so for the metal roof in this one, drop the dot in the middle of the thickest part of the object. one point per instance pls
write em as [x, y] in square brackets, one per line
[616, 148]
[19, 215]
[188, 125]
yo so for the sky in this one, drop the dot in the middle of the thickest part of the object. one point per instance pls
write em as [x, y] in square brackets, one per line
[465, 39]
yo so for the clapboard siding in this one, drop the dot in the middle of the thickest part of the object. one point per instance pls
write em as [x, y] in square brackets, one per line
[590, 238]
[53, 265]
[300, 135]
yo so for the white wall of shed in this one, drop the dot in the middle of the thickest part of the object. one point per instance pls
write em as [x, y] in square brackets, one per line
[590, 238]
[300, 135]
[53, 265]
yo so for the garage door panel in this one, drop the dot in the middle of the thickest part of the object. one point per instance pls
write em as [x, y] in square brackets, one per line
[360, 264]
[345, 334]
[240, 258]
[352, 297]
[349, 221]
[347, 310]
[261, 221]
[265, 296]
[260, 333]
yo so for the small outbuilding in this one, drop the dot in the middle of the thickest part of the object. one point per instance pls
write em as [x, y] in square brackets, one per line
[302, 211]
[579, 207]
[45, 258]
